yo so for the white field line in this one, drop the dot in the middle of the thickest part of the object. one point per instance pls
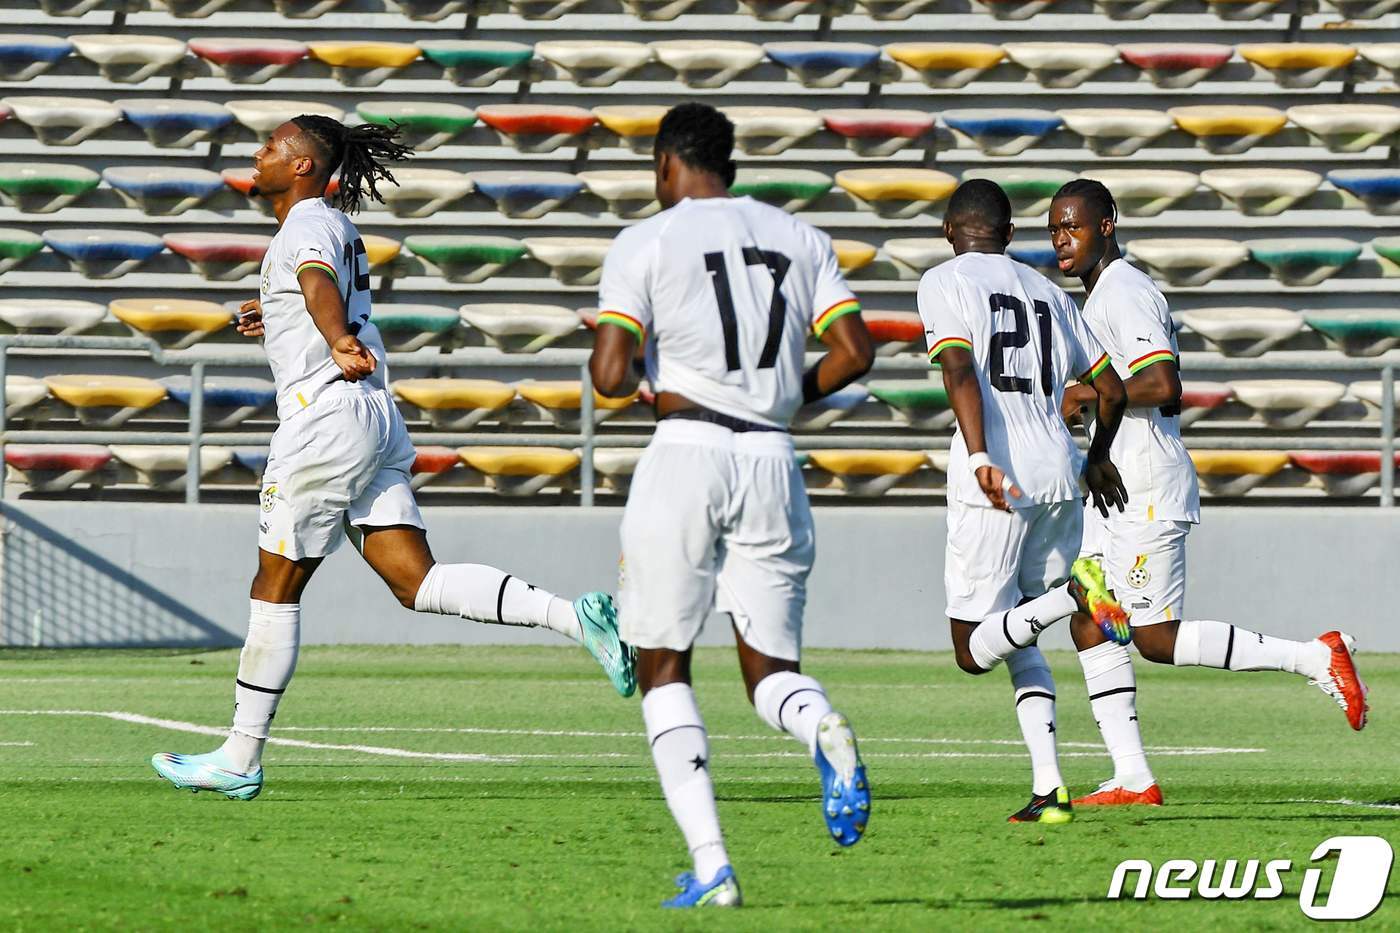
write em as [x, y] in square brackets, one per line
[463, 681]
[1353, 803]
[16, 744]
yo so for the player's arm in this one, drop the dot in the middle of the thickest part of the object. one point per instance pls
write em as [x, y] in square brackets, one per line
[613, 363]
[327, 309]
[1158, 385]
[965, 396]
[624, 300]
[849, 355]
[1100, 475]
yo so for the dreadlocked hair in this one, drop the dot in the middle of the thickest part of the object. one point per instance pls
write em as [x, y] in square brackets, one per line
[359, 152]
[1093, 193]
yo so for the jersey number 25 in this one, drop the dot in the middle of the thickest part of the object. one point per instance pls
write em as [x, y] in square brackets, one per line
[778, 266]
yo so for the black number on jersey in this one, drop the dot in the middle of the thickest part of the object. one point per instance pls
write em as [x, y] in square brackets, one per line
[778, 266]
[358, 281]
[1014, 340]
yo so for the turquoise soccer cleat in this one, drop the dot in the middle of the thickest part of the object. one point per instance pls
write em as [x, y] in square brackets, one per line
[210, 771]
[845, 790]
[597, 617]
[721, 891]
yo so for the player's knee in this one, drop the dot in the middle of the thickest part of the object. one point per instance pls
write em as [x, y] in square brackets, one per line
[1156, 643]
[968, 663]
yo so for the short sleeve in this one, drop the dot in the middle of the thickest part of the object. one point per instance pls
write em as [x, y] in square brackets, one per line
[1087, 357]
[317, 249]
[624, 298]
[1145, 328]
[944, 327]
[832, 297]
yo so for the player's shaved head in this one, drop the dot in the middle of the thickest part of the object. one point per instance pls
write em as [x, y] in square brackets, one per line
[978, 218]
[693, 152]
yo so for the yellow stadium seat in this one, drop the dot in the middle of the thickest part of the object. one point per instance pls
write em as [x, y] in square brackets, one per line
[946, 64]
[1228, 129]
[381, 250]
[1236, 472]
[175, 322]
[867, 473]
[560, 402]
[522, 471]
[105, 401]
[634, 124]
[853, 255]
[1299, 64]
[363, 64]
[897, 192]
[454, 404]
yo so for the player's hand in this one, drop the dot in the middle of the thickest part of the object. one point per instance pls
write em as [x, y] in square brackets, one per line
[353, 358]
[1106, 486]
[1076, 401]
[249, 321]
[997, 486]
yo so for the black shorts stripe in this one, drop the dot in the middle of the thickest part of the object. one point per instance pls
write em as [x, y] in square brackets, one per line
[501, 599]
[248, 686]
[791, 695]
[1230, 648]
[1113, 692]
[1035, 693]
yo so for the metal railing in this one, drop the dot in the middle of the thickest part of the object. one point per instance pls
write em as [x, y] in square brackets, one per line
[587, 438]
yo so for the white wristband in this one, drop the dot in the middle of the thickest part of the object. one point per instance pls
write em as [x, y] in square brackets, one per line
[978, 460]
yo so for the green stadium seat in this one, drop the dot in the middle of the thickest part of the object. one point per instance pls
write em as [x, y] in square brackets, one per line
[1347, 127]
[537, 127]
[1303, 261]
[615, 465]
[1287, 404]
[466, 259]
[453, 404]
[264, 115]
[560, 402]
[1228, 129]
[1243, 332]
[105, 401]
[921, 403]
[1145, 192]
[162, 466]
[1377, 188]
[42, 188]
[422, 192]
[249, 61]
[897, 192]
[1341, 473]
[176, 124]
[103, 254]
[771, 130]
[23, 393]
[873, 133]
[478, 62]
[629, 193]
[522, 471]
[432, 464]
[1187, 261]
[946, 65]
[707, 63]
[826, 411]
[25, 56]
[424, 125]
[63, 121]
[56, 467]
[163, 190]
[826, 64]
[527, 194]
[791, 189]
[1262, 191]
[520, 328]
[1200, 399]
[1387, 250]
[357, 63]
[1236, 472]
[1357, 331]
[1061, 64]
[594, 62]
[221, 257]
[573, 260]
[173, 322]
[1300, 64]
[228, 400]
[1176, 64]
[128, 59]
[63, 316]
[1002, 131]
[408, 327]
[1116, 131]
[916, 255]
[1030, 189]
[635, 125]
[16, 246]
[867, 473]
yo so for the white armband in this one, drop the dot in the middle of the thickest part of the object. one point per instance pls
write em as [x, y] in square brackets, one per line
[978, 460]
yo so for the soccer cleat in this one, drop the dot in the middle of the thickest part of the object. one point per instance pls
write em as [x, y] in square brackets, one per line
[210, 771]
[1045, 808]
[845, 790]
[721, 891]
[1088, 588]
[597, 617]
[1113, 795]
[1343, 683]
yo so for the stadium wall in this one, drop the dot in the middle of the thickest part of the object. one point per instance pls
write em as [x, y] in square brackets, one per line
[79, 574]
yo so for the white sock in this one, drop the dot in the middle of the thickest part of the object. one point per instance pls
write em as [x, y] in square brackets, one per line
[485, 594]
[1205, 643]
[681, 750]
[998, 636]
[265, 668]
[1035, 710]
[1108, 673]
[792, 703]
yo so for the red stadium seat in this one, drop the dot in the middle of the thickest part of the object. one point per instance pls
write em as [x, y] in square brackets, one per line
[221, 257]
[1176, 64]
[56, 467]
[1342, 473]
[249, 61]
[537, 127]
[878, 132]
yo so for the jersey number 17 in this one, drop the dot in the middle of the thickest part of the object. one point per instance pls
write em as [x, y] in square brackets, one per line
[778, 266]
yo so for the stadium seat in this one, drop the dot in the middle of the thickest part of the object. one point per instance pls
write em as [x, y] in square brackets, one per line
[466, 259]
[1387, 250]
[175, 124]
[56, 467]
[163, 466]
[380, 251]
[771, 130]
[705, 62]
[1061, 64]
[478, 63]
[1377, 188]
[1176, 64]
[221, 257]
[629, 193]
[1199, 399]
[357, 63]
[946, 65]
[16, 246]
[23, 393]
[527, 194]
[543, 9]
[634, 124]
[826, 411]
[791, 189]
[1369, 393]
[1287, 404]
[873, 133]
[1347, 127]
[825, 64]
[228, 400]
[249, 61]
[520, 328]
[560, 402]
[897, 192]
[431, 464]
[163, 190]
[657, 10]
[422, 192]
[922, 403]
[916, 255]
[784, 11]
[173, 322]
[453, 404]
[1343, 473]
[305, 9]
[615, 465]
[1384, 55]
[1145, 192]
[853, 255]
[1039, 256]
[1188, 261]
[537, 127]
[128, 59]
[1228, 129]
[262, 116]
[893, 331]
[522, 471]
[1002, 132]
[103, 254]
[1114, 131]
[1357, 331]
[1243, 9]
[25, 56]
[408, 327]
[867, 473]
[1261, 191]
[1013, 9]
[594, 62]
[1030, 189]
[573, 260]
[1302, 261]
[42, 188]
[63, 121]
[424, 125]
[1300, 64]
[51, 315]
[1236, 472]
[1243, 332]
[105, 401]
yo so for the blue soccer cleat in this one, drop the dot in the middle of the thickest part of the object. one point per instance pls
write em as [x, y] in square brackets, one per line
[845, 790]
[211, 771]
[597, 617]
[721, 891]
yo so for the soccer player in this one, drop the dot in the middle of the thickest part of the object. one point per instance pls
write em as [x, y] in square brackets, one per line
[1143, 549]
[340, 456]
[1008, 340]
[720, 294]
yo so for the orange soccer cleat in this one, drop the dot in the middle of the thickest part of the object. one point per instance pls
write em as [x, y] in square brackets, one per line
[1343, 683]
[1111, 796]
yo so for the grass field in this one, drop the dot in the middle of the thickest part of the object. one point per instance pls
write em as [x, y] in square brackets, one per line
[535, 804]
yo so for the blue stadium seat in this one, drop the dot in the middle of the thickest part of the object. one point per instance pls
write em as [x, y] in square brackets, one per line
[16, 246]
[249, 61]
[873, 132]
[1377, 188]
[1302, 261]
[1187, 261]
[128, 59]
[422, 192]
[176, 124]
[1262, 191]
[594, 62]
[825, 64]
[771, 130]
[1347, 127]
[173, 322]
[63, 121]
[228, 400]
[1061, 64]
[1116, 131]
[705, 62]
[527, 194]
[220, 257]
[466, 259]
[1039, 256]
[1200, 399]
[573, 260]
[103, 254]
[1002, 132]
[42, 188]
[163, 190]
[1145, 192]
[24, 56]
[51, 315]
[478, 63]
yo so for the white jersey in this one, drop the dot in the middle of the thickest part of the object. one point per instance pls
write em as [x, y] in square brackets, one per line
[313, 235]
[1027, 341]
[1128, 314]
[723, 293]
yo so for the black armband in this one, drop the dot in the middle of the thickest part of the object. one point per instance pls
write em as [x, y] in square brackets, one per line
[811, 391]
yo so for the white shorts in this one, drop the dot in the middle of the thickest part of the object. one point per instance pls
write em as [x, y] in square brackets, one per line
[716, 520]
[996, 559]
[345, 459]
[1145, 563]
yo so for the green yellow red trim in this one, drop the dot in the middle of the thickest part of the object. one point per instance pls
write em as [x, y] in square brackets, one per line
[626, 322]
[1097, 369]
[829, 316]
[319, 265]
[947, 342]
[1156, 356]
